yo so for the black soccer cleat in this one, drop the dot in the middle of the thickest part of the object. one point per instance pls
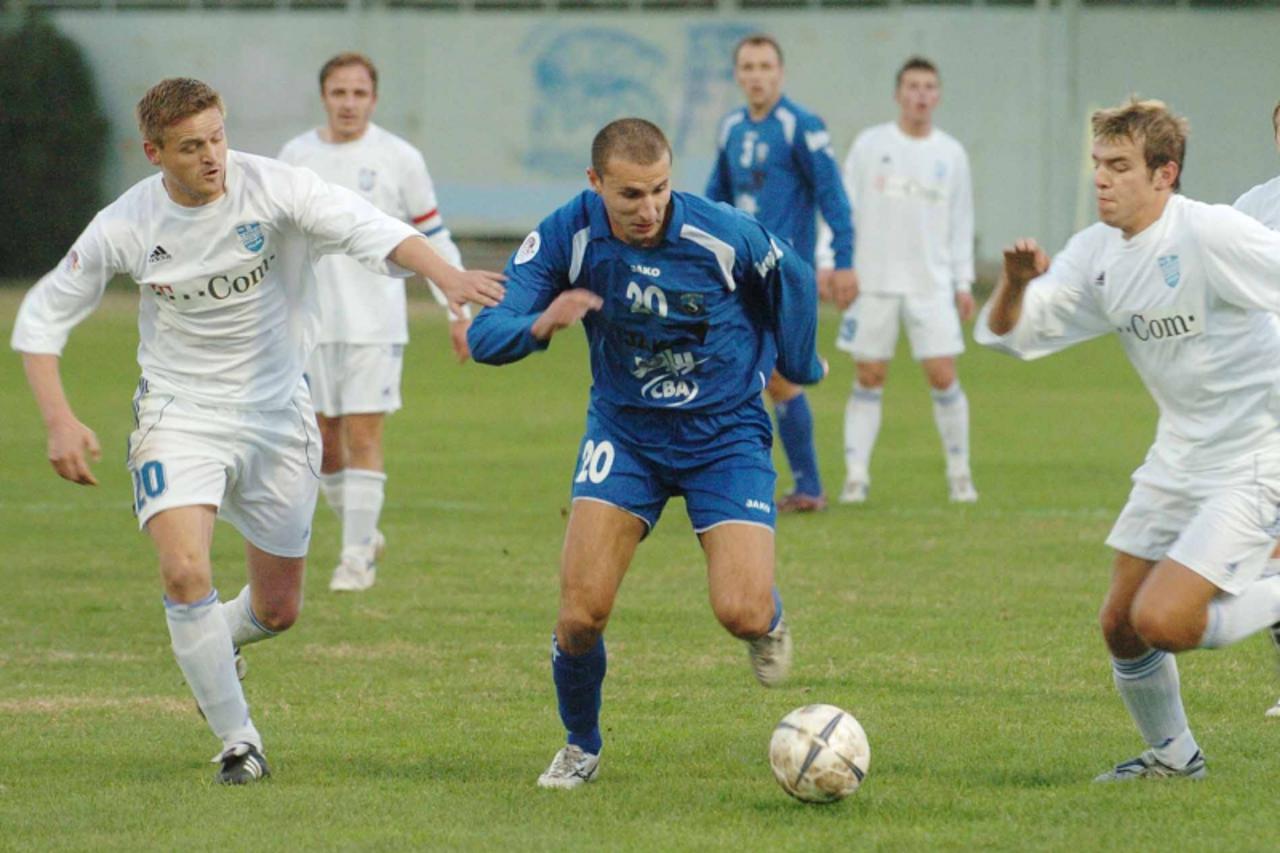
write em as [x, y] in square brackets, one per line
[241, 763]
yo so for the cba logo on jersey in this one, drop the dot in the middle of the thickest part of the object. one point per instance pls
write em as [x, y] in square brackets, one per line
[251, 236]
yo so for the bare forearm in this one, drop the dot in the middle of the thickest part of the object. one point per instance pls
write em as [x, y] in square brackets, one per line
[46, 386]
[1006, 306]
[416, 254]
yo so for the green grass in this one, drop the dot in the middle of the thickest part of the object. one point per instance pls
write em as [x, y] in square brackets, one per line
[418, 715]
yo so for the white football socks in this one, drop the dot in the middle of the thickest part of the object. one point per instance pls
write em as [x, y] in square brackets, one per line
[362, 497]
[1151, 691]
[202, 645]
[861, 426]
[243, 625]
[1234, 617]
[951, 414]
[331, 487]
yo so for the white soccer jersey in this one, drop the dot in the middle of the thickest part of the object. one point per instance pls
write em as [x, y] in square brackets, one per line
[1189, 297]
[358, 306]
[912, 212]
[1262, 203]
[228, 310]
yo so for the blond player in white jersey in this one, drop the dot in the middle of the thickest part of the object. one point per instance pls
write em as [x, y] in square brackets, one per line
[355, 370]
[909, 184]
[220, 244]
[1190, 289]
[1263, 204]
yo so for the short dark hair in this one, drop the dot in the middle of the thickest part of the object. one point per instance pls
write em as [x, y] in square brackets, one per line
[632, 139]
[345, 59]
[172, 100]
[916, 63]
[755, 40]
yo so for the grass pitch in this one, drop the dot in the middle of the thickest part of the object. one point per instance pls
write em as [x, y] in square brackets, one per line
[418, 715]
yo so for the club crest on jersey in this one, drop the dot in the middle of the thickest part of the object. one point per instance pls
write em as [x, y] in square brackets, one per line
[693, 303]
[1169, 269]
[251, 236]
[528, 248]
[367, 179]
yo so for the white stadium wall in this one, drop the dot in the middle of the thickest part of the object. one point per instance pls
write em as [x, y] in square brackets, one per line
[505, 104]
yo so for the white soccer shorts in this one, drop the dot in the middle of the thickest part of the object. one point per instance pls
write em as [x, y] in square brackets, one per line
[1223, 528]
[259, 468]
[355, 379]
[869, 329]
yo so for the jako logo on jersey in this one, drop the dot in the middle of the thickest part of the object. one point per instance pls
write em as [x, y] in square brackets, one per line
[770, 260]
[1169, 269]
[221, 286]
[652, 272]
[528, 248]
[752, 503]
[251, 236]
[1163, 326]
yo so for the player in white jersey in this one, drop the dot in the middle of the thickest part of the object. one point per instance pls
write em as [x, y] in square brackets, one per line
[220, 244]
[354, 372]
[1263, 204]
[1190, 289]
[909, 185]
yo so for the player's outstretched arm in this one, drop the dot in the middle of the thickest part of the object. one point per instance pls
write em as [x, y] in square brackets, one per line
[1023, 261]
[458, 286]
[71, 444]
[565, 310]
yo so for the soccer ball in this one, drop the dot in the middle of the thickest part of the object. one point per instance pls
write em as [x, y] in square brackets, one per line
[819, 754]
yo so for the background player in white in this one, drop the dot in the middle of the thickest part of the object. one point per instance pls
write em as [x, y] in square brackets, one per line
[220, 243]
[355, 369]
[1263, 204]
[1191, 291]
[909, 185]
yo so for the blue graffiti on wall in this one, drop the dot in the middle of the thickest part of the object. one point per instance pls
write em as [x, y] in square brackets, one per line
[584, 77]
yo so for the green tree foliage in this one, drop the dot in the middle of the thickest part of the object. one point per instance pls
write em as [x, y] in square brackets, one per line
[53, 138]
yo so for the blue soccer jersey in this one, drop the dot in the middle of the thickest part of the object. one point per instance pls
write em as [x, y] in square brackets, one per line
[694, 324]
[781, 171]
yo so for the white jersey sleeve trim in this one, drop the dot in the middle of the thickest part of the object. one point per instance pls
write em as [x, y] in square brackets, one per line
[724, 253]
[580, 240]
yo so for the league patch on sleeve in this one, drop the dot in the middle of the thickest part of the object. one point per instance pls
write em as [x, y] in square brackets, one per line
[528, 248]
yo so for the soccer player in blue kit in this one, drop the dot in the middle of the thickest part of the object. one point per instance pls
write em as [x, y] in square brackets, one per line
[687, 306]
[775, 163]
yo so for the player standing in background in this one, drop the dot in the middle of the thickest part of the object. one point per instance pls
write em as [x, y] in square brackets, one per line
[1190, 289]
[775, 163]
[355, 370]
[1263, 204]
[687, 306]
[909, 185]
[221, 244]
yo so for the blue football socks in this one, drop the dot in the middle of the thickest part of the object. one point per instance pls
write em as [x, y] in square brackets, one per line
[795, 428]
[579, 679]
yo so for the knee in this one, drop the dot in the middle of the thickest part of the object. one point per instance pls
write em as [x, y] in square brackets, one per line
[1162, 627]
[941, 376]
[872, 374]
[277, 616]
[578, 628]
[186, 576]
[1118, 632]
[745, 618]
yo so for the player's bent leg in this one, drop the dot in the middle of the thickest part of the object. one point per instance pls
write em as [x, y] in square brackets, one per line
[795, 429]
[600, 541]
[740, 566]
[1148, 683]
[199, 635]
[275, 585]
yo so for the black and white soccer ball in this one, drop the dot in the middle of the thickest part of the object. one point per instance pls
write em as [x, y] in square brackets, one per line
[819, 753]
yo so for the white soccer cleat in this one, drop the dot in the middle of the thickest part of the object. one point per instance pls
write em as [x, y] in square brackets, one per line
[771, 655]
[379, 545]
[353, 575]
[854, 492]
[962, 490]
[1274, 711]
[573, 766]
[1147, 766]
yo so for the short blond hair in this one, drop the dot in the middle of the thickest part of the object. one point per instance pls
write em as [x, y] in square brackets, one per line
[170, 101]
[1151, 125]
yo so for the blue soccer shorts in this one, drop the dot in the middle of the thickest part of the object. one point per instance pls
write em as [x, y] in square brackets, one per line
[732, 483]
